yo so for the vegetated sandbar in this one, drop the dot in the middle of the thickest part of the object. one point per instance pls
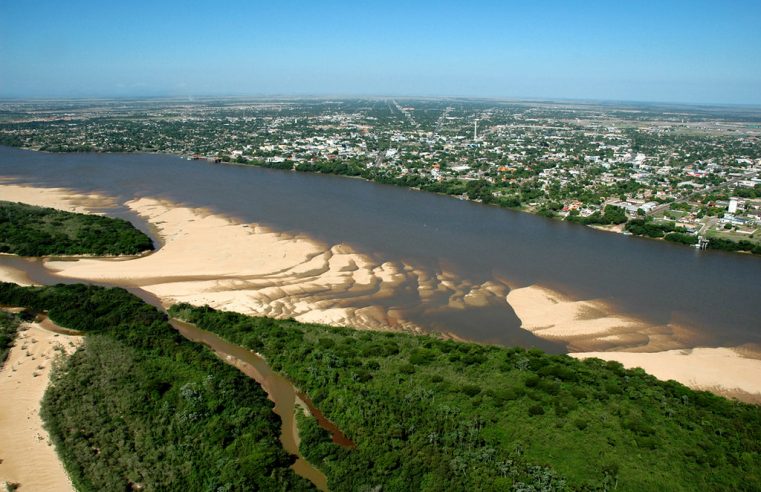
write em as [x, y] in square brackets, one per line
[663, 351]
[27, 457]
[210, 259]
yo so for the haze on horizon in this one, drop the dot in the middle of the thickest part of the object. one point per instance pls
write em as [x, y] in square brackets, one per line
[675, 51]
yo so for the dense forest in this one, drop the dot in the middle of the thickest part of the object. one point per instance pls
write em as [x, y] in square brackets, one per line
[429, 414]
[35, 231]
[139, 407]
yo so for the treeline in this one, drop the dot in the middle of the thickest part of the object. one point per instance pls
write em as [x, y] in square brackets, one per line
[666, 230]
[728, 245]
[670, 232]
[26, 230]
[139, 407]
[8, 330]
[435, 415]
[610, 215]
[480, 190]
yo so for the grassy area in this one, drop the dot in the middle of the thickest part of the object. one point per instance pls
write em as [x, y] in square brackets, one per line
[35, 231]
[139, 407]
[731, 235]
[429, 414]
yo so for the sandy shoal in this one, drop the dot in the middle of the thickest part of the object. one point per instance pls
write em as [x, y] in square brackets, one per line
[590, 325]
[210, 259]
[26, 454]
[592, 329]
[13, 275]
[59, 198]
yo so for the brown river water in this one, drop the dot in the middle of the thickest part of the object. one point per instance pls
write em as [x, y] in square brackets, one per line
[714, 294]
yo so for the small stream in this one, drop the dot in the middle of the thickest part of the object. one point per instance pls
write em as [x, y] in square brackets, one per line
[287, 398]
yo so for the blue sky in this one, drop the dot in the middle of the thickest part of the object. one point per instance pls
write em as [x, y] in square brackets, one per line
[680, 51]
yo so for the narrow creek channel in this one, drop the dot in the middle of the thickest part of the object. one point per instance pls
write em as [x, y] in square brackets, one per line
[286, 397]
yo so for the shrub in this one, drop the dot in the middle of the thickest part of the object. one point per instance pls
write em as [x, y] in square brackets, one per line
[471, 390]
[535, 410]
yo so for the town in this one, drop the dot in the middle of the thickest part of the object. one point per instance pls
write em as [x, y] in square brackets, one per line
[687, 174]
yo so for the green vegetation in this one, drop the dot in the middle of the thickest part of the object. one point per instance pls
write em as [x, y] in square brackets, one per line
[139, 407]
[35, 231]
[428, 414]
[670, 232]
[681, 238]
[646, 227]
[729, 245]
[610, 215]
[8, 329]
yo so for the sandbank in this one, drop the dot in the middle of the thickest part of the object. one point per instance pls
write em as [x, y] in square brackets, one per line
[592, 329]
[210, 259]
[27, 457]
[59, 198]
[590, 325]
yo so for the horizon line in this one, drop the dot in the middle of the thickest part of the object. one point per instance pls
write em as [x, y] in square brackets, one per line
[349, 96]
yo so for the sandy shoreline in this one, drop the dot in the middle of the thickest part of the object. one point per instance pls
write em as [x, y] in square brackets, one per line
[210, 259]
[721, 370]
[59, 198]
[27, 457]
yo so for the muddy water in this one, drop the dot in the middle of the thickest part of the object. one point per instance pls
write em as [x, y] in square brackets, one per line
[288, 400]
[33, 271]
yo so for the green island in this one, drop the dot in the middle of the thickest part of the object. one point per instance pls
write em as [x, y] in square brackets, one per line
[139, 407]
[27, 230]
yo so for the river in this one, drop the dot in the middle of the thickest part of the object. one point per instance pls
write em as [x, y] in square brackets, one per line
[716, 294]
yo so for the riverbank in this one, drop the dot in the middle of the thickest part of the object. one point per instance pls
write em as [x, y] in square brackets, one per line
[210, 259]
[27, 457]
